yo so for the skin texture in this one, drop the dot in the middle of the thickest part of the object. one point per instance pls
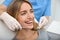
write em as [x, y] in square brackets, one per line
[26, 16]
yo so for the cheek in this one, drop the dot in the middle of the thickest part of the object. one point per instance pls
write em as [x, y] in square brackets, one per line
[20, 19]
[32, 15]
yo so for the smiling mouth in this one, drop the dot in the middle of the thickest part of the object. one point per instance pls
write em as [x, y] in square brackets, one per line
[29, 22]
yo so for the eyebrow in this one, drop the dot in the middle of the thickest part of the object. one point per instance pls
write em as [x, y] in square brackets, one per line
[25, 10]
[31, 9]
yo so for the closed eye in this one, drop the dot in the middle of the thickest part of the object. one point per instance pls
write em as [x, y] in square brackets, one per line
[31, 11]
[23, 12]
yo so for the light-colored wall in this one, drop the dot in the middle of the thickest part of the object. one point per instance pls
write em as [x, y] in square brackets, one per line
[57, 15]
[55, 10]
[1, 1]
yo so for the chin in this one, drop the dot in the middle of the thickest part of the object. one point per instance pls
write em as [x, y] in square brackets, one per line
[30, 27]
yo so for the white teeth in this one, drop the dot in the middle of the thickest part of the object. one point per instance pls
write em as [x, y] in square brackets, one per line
[28, 22]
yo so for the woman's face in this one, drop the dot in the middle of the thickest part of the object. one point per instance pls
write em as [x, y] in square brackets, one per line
[26, 16]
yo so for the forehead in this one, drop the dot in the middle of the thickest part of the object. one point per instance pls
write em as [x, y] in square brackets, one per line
[25, 6]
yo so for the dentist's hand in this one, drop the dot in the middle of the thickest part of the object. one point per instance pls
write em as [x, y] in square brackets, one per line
[10, 21]
[43, 21]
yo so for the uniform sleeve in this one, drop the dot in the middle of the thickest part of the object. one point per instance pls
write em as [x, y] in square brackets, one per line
[47, 11]
[7, 2]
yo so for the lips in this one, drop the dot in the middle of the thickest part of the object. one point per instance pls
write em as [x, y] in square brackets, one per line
[28, 22]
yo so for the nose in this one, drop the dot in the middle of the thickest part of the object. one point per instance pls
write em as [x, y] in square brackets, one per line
[30, 15]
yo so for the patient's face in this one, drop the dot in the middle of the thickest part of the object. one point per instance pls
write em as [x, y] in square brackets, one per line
[26, 16]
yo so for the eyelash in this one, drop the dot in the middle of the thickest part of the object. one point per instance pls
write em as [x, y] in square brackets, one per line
[23, 13]
[31, 11]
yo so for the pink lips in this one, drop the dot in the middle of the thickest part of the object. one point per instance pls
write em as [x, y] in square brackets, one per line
[29, 22]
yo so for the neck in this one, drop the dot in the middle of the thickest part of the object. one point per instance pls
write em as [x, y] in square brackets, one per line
[25, 33]
[26, 29]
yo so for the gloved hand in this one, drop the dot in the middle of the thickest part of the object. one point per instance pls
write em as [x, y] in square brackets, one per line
[42, 22]
[10, 21]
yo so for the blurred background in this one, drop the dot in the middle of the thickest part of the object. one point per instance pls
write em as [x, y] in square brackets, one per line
[55, 15]
[55, 9]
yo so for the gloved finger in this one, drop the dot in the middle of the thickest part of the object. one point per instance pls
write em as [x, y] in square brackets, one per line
[45, 21]
[41, 20]
[14, 25]
[40, 23]
[40, 26]
[18, 25]
[11, 27]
